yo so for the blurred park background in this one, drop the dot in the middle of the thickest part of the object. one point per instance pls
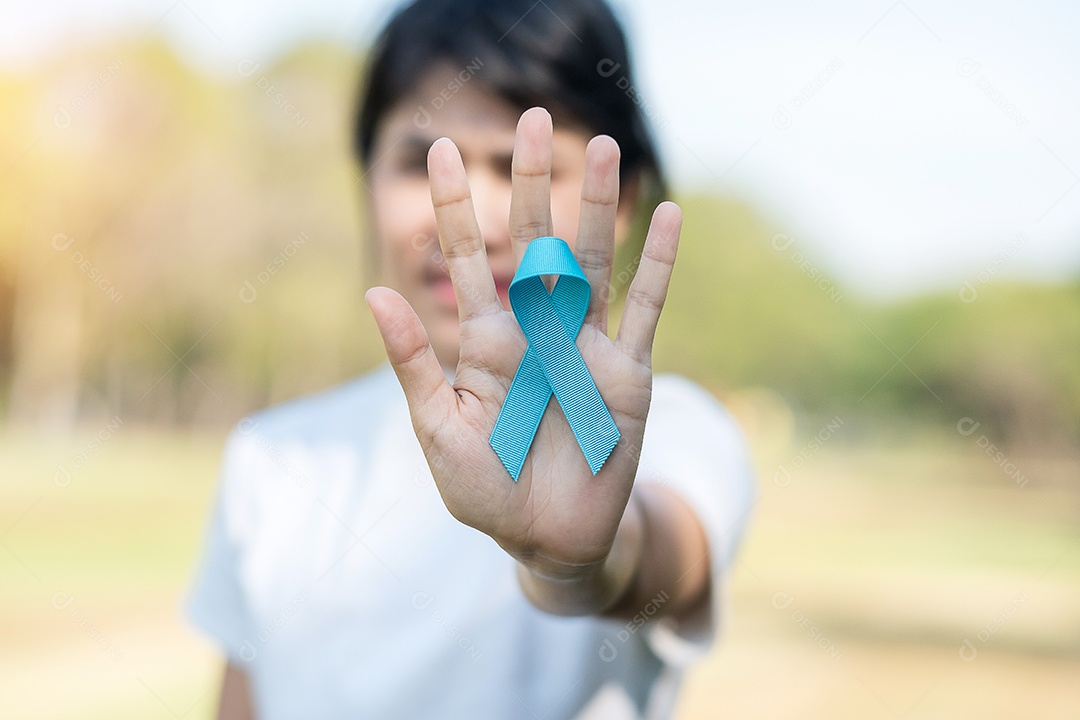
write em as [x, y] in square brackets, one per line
[179, 248]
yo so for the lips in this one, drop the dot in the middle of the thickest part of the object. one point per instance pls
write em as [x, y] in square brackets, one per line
[502, 287]
[443, 289]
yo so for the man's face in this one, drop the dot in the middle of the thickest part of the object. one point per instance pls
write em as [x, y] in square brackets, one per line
[482, 125]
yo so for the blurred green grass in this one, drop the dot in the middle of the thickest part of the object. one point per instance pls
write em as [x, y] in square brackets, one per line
[93, 575]
[896, 553]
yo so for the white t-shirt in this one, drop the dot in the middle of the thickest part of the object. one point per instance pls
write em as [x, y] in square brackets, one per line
[335, 577]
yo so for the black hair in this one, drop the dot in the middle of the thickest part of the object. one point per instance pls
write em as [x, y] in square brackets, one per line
[569, 56]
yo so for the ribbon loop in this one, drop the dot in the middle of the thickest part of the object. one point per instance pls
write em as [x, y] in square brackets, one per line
[552, 363]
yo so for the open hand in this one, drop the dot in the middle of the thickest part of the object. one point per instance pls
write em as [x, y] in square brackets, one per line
[558, 519]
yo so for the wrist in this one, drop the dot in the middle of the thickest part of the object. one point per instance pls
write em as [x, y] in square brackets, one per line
[593, 588]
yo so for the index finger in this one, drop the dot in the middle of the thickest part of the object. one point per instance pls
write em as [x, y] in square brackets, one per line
[648, 289]
[459, 234]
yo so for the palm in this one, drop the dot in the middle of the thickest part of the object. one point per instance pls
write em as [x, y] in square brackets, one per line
[557, 514]
[557, 509]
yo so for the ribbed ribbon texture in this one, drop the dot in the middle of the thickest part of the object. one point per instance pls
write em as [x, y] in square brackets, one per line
[552, 363]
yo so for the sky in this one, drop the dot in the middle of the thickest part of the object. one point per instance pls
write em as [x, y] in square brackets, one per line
[903, 146]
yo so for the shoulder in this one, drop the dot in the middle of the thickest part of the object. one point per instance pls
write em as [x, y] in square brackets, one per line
[332, 415]
[676, 398]
[320, 439]
[678, 388]
[690, 435]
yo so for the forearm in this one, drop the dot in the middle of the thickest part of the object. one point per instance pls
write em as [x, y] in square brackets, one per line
[660, 556]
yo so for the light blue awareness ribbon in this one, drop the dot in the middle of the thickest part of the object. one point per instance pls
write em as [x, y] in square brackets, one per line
[552, 363]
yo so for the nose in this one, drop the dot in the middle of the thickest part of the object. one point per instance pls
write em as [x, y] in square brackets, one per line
[491, 201]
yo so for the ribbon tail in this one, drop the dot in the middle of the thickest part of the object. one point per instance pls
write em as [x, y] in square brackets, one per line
[585, 411]
[520, 415]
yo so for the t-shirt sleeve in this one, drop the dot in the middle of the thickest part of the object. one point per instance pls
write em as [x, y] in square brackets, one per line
[695, 448]
[216, 601]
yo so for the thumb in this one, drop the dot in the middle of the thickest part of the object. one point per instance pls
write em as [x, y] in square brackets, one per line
[412, 357]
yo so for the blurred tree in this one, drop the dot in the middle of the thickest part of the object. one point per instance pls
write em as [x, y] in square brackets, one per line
[182, 249]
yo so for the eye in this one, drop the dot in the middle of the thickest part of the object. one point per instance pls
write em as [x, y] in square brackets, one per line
[503, 165]
[413, 162]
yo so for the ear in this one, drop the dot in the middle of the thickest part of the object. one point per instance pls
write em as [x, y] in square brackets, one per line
[628, 201]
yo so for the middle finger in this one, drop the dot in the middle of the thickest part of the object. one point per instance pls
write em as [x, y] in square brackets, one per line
[530, 196]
